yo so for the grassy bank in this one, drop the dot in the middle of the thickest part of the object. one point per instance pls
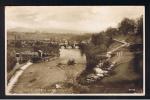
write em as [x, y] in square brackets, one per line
[49, 77]
[126, 75]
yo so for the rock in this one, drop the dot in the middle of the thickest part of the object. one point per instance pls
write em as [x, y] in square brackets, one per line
[58, 86]
[100, 75]
[100, 64]
[91, 75]
[105, 72]
[108, 54]
[97, 66]
[95, 77]
[98, 70]
[71, 61]
[112, 65]
[109, 69]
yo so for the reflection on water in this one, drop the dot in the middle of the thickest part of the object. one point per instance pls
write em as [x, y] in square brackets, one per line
[66, 54]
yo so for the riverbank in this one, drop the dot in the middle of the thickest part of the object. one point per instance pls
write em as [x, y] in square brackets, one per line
[14, 79]
[13, 71]
[123, 78]
[46, 77]
[121, 74]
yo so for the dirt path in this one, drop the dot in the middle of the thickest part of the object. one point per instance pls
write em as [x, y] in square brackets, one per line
[16, 74]
[42, 76]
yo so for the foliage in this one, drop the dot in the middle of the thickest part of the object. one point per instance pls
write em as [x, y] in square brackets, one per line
[100, 42]
[47, 48]
[11, 59]
[137, 37]
[35, 59]
[126, 26]
[18, 44]
[139, 27]
[71, 62]
[111, 32]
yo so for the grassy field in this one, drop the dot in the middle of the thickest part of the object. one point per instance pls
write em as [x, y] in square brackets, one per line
[43, 77]
[123, 72]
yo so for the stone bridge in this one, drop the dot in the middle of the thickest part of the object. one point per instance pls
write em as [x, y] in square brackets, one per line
[70, 45]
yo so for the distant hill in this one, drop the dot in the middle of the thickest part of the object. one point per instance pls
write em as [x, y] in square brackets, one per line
[44, 35]
[46, 30]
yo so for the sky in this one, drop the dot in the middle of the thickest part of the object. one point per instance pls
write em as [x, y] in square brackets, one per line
[71, 19]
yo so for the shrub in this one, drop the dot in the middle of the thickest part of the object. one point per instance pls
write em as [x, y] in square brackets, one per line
[71, 62]
[11, 58]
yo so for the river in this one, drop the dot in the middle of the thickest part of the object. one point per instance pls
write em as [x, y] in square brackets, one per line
[66, 54]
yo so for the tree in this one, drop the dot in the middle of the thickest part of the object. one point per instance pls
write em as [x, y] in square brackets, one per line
[18, 44]
[111, 32]
[127, 26]
[139, 27]
[97, 39]
[11, 58]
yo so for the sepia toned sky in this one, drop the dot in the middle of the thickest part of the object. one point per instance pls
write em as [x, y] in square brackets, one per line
[73, 19]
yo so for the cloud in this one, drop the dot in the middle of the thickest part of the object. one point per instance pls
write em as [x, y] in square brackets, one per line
[72, 18]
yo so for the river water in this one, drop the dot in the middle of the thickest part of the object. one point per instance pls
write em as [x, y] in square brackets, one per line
[66, 54]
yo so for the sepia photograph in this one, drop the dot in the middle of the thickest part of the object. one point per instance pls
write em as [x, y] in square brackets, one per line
[75, 50]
